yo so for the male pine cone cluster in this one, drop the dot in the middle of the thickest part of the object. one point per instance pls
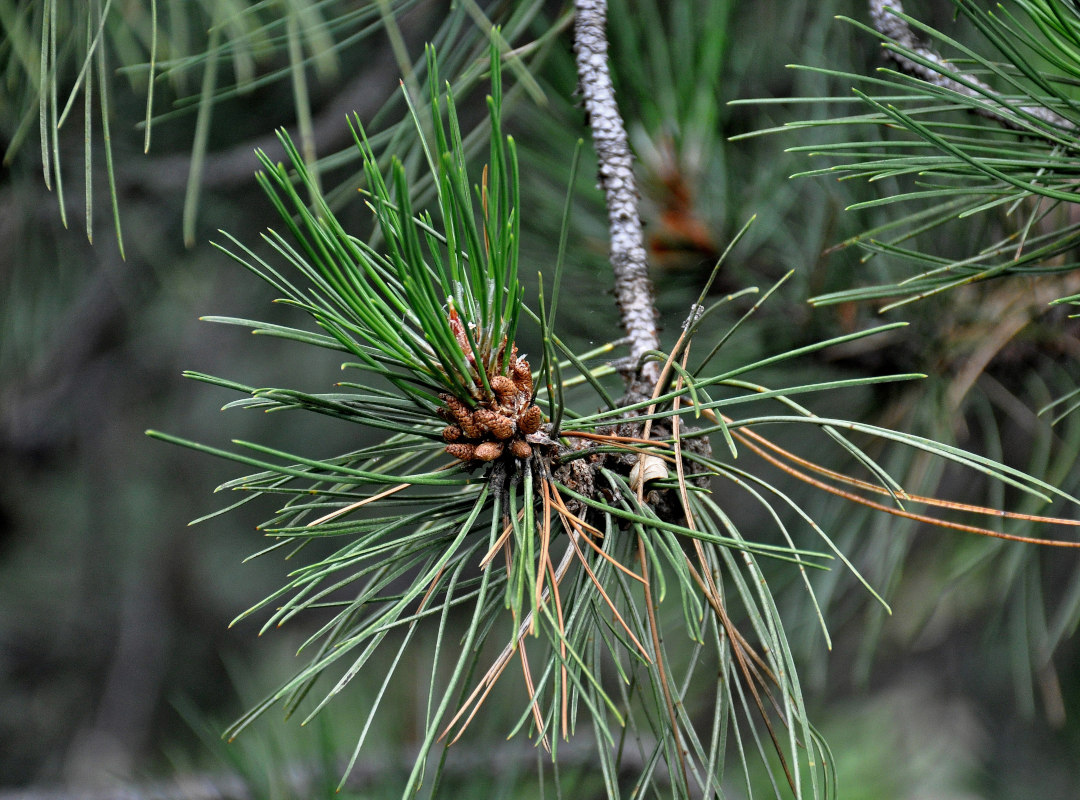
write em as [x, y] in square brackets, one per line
[498, 424]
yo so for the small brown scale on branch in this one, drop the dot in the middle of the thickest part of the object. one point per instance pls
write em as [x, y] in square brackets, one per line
[501, 421]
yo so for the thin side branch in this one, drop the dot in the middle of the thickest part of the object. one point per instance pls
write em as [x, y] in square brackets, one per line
[633, 290]
[889, 22]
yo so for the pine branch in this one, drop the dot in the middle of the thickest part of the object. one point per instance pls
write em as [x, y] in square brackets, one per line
[633, 290]
[889, 22]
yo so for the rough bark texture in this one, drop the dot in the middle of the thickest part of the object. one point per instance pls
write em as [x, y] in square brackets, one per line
[886, 22]
[633, 290]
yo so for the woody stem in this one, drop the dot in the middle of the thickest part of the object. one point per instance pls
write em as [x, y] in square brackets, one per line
[633, 290]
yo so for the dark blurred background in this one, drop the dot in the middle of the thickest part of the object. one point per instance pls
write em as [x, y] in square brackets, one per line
[117, 665]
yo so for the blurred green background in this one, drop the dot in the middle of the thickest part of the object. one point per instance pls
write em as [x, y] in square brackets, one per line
[117, 665]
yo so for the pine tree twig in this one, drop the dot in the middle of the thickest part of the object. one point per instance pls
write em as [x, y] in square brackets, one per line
[887, 19]
[633, 290]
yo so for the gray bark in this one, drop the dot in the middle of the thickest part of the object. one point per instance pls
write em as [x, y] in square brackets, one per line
[633, 290]
[884, 13]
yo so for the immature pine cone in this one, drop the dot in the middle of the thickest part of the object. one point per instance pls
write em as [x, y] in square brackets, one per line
[500, 418]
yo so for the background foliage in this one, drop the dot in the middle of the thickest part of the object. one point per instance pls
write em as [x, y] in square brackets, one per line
[115, 659]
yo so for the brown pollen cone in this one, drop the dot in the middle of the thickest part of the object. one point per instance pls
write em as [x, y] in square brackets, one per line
[500, 419]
